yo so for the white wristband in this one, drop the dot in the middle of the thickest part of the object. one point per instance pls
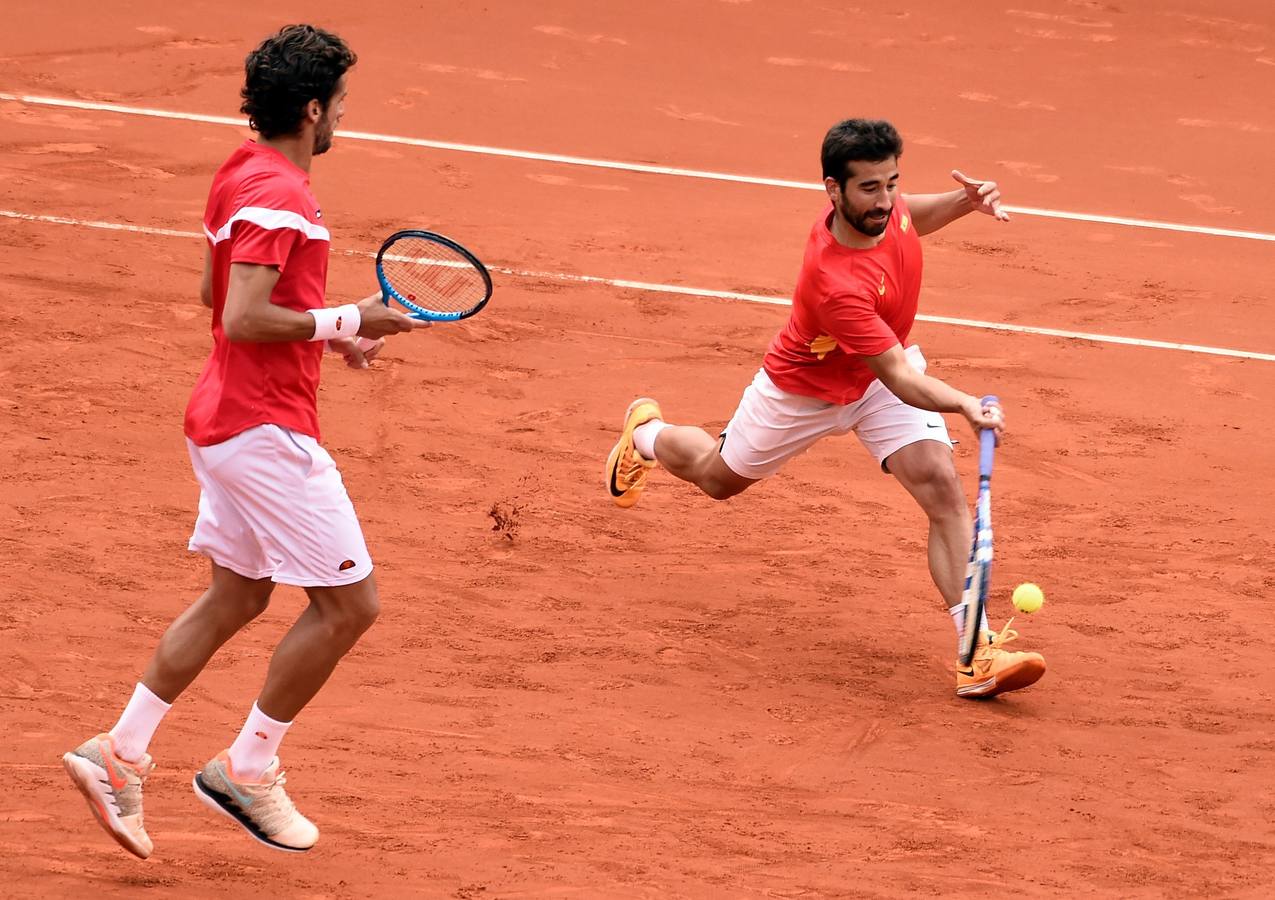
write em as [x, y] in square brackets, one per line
[336, 322]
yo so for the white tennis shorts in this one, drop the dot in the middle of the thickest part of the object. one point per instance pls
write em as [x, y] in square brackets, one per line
[272, 505]
[771, 426]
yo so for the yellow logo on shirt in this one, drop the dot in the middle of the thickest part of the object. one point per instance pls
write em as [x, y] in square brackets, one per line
[822, 346]
[881, 289]
[903, 224]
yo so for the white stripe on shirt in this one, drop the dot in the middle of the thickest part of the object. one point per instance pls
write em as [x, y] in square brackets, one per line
[270, 219]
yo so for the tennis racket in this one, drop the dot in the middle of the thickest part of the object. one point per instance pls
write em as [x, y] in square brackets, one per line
[434, 278]
[978, 572]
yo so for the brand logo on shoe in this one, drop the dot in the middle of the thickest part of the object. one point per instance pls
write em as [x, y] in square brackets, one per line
[237, 795]
[118, 781]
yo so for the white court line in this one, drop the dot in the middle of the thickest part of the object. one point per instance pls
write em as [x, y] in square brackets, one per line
[616, 165]
[657, 288]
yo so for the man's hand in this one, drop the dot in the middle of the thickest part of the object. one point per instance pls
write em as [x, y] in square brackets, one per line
[358, 352]
[377, 320]
[983, 417]
[983, 196]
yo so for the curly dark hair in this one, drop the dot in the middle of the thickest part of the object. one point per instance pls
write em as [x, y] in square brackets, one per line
[298, 64]
[858, 140]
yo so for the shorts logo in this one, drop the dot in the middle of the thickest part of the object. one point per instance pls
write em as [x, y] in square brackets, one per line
[348, 564]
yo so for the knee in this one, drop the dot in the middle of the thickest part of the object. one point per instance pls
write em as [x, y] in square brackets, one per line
[239, 607]
[255, 605]
[354, 614]
[719, 483]
[719, 491]
[943, 496]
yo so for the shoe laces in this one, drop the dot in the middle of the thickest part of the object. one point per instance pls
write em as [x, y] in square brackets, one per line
[631, 467]
[128, 799]
[272, 809]
[998, 639]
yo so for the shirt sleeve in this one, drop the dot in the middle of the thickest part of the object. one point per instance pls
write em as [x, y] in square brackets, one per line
[267, 226]
[852, 321]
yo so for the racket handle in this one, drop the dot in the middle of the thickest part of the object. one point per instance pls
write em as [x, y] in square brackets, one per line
[986, 444]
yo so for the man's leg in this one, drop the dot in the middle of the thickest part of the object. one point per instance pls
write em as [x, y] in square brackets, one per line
[926, 471]
[243, 782]
[770, 426]
[110, 769]
[328, 628]
[692, 454]
[230, 603]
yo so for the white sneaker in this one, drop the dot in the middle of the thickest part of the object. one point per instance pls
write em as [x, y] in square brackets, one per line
[261, 807]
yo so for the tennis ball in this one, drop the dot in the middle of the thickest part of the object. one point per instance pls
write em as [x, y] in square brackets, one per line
[1028, 598]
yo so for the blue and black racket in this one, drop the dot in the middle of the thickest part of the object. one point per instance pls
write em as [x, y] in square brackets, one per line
[978, 572]
[433, 277]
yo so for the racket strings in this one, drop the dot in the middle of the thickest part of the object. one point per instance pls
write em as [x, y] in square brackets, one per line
[432, 275]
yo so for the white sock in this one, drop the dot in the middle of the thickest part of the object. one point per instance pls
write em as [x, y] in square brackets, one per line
[257, 744]
[958, 619]
[644, 437]
[133, 732]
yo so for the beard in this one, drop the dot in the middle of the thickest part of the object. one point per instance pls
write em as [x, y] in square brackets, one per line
[323, 137]
[870, 223]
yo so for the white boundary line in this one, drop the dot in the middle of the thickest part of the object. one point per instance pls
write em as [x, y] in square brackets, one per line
[696, 292]
[613, 164]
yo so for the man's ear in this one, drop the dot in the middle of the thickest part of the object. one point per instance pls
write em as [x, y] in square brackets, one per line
[830, 185]
[314, 111]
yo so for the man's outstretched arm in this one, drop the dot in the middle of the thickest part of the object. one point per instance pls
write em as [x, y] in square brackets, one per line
[930, 212]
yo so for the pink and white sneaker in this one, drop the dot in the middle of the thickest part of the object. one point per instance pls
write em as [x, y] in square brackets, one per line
[113, 789]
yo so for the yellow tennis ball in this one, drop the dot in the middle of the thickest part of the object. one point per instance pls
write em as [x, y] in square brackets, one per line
[1028, 598]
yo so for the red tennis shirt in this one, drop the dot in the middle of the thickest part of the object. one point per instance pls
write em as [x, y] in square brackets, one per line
[260, 210]
[848, 304]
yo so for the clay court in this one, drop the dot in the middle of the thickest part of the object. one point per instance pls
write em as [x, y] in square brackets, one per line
[686, 699]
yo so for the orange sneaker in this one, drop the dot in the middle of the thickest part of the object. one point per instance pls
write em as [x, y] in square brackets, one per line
[113, 788]
[995, 670]
[626, 468]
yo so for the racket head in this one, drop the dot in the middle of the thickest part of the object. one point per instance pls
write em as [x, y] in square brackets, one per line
[432, 277]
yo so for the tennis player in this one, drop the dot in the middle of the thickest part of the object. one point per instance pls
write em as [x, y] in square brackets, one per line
[272, 506]
[842, 364]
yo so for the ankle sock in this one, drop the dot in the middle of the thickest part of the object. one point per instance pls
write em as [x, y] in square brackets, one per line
[257, 744]
[133, 732]
[958, 619]
[644, 437]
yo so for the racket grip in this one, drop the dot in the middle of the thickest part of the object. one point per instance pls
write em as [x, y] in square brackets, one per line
[986, 444]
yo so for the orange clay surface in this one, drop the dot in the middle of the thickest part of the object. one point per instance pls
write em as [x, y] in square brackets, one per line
[688, 699]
